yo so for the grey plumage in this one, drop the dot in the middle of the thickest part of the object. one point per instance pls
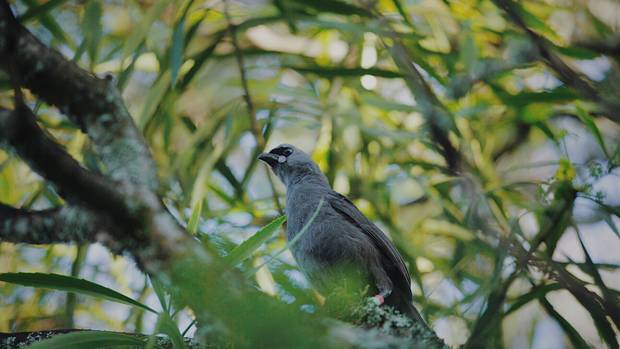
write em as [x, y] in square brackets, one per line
[340, 235]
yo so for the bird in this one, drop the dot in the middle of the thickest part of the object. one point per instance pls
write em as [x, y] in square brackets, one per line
[338, 237]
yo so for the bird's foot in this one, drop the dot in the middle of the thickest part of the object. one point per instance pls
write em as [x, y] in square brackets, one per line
[378, 299]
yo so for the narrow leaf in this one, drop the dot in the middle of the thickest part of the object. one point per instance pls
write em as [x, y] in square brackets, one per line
[585, 117]
[573, 335]
[194, 219]
[537, 292]
[176, 49]
[153, 98]
[36, 11]
[249, 246]
[91, 25]
[69, 284]
[89, 339]
[138, 35]
[160, 293]
[290, 243]
[167, 326]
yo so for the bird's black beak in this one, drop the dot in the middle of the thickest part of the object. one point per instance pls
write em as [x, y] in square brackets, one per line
[270, 158]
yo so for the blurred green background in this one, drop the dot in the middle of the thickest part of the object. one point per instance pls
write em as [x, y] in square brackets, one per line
[320, 75]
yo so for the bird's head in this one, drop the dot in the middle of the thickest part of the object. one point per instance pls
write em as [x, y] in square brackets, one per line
[292, 165]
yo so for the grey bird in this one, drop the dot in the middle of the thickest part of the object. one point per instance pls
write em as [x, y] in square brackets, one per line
[339, 234]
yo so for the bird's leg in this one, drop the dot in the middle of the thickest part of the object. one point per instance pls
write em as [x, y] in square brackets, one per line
[379, 298]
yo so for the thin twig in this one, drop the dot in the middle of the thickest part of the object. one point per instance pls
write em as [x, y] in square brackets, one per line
[254, 127]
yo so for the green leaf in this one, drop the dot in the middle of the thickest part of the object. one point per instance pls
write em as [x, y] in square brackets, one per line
[536, 112]
[158, 287]
[69, 284]
[139, 34]
[574, 336]
[176, 49]
[610, 222]
[88, 339]
[192, 226]
[290, 243]
[249, 246]
[330, 72]
[49, 22]
[537, 292]
[577, 52]
[167, 326]
[91, 25]
[385, 104]
[401, 10]
[153, 98]
[587, 120]
[333, 6]
[37, 11]
[199, 60]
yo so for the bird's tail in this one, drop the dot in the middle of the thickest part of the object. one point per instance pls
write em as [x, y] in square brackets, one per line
[403, 304]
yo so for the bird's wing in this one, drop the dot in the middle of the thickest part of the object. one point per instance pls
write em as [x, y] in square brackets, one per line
[395, 266]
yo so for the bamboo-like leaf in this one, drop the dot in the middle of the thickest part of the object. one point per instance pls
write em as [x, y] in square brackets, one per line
[49, 22]
[192, 225]
[587, 120]
[330, 72]
[290, 243]
[89, 339]
[333, 6]
[158, 287]
[167, 326]
[91, 25]
[249, 246]
[37, 11]
[176, 49]
[537, 292]
[573, 335]
[612, 225]
[199, 60]
[70, 284]
[153, 98]
[138, 35]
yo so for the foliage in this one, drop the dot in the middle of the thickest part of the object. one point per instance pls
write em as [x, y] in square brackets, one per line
[481, 135]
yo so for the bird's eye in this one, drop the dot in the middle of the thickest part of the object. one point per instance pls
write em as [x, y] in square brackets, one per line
[287, 152]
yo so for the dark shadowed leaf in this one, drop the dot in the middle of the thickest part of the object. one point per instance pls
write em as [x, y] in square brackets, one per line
[572, 333]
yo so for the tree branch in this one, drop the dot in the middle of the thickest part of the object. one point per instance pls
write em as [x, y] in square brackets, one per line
[19, 130]
[92, 103]
[568, 75]
[57, 225]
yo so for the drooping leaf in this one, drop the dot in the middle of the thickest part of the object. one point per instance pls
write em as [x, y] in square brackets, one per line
[572, 333]
[330, 72]
[140, 32]
[37, 11]
[91, 25]
[536, 292]
[292, 242]
[89, 339]
[176, 49]
[70, 284]
[249, 246]
[166, 325]
[587, 120]
[333, 6]
[153, 99]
